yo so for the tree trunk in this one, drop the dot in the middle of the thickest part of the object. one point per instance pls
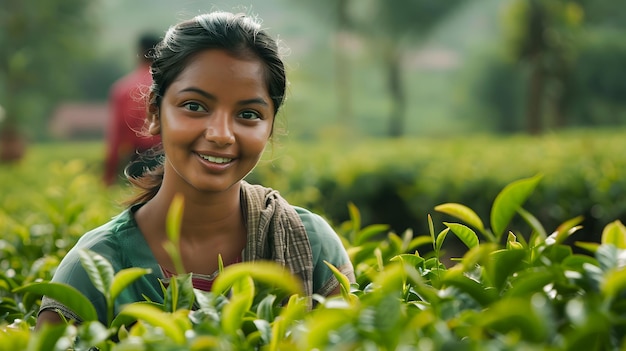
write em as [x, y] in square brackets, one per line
[535, 96]
[12, 145]
[342, 67]
[397, 93]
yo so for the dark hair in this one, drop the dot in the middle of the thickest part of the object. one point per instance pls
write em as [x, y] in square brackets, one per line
[240, 35]
[146, 44]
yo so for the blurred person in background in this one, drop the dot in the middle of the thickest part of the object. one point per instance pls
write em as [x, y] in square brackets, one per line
[127, 103]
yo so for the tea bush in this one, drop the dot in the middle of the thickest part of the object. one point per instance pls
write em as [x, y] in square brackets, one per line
[510, 288]
[396, 182]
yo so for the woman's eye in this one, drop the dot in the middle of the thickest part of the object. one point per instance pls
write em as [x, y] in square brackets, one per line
[249, 115]
[194, 106]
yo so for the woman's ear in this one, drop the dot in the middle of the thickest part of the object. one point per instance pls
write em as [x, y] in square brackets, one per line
[154, 121]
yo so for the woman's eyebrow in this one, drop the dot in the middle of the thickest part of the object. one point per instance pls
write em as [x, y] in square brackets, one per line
[257, 101]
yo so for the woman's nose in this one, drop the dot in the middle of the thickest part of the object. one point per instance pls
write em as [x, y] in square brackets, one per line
[219, 129]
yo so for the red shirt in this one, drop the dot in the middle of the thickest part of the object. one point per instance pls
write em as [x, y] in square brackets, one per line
[126, 131]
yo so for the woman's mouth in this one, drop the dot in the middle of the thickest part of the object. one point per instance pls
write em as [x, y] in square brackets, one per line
[214, 159]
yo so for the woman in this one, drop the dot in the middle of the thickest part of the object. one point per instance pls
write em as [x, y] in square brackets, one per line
[218, 83]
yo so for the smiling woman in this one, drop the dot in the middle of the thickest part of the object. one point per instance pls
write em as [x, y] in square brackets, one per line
[218, 83]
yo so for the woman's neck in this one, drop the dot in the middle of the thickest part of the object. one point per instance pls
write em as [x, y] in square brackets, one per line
[204, 214]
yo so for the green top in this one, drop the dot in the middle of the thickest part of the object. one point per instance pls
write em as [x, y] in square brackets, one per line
[121, 242]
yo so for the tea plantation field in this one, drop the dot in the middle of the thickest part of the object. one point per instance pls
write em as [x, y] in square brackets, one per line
[479, 243]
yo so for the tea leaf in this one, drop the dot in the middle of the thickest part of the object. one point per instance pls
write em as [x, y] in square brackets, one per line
[533, 222]
[615, 233]
[355, 221]
[419, 241]
[344, 283]
[65, 294]
[370, 232]
[614, 283]
[265, 308]
[124, 278]
[47, 337]
[179, 293]
[508, 202]
[98, 269]
[515, 316]
[267, 272]
[440, 238]
[467, 235]
[591, 247]
[172, 227]
[564, 230]
[529, 282]
[504, 263]
[174, 218]
[233, 312]
[154, 316]
[463, 213]
[412, 260]
[483, 295]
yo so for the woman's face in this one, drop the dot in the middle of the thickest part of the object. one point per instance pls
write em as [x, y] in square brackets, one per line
[215, 120]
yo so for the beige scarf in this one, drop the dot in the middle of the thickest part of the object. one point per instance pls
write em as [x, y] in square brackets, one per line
[275, 232]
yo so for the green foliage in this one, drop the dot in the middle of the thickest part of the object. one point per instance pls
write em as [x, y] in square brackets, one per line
[512, 288]
[42, 42]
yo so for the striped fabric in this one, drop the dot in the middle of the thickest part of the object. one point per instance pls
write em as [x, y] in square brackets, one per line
[276, 233]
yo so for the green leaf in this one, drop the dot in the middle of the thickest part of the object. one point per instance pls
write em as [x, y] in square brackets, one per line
[179, 293]
[533, 222]
[564, 230]
[463, 213]
[529, 282]
[483, 295]
[267, 272]
[503, 265]
[431, 230]
[467, 235]
[509, 201]
[265, 308]
[412, 260]
[317, 337]
[369, 232]
[174, 218]
[515, 315]
[440, 238]
[98, 269]
[343, 281]
[511, 242]
[608, 257]
[419, 241]
[65, 294]
[614, 282]
[614, 233]
[244, 288]
[47, 337]
[155, 317]
[355, 220]
[233, 313]
[589, 246]
[124, 278]
[294, 311]
[576, 262]
[172, 227]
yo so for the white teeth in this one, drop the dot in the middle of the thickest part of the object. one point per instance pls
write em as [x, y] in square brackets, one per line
[216, 159]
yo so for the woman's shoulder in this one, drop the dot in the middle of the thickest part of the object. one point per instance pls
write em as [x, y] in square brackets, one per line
[109, 232]
[313, 222]
[318, 229]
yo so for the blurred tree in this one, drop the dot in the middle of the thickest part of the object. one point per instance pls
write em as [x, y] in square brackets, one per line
[541, 34]
[41, 40]
[393, 26]
[338, 14]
